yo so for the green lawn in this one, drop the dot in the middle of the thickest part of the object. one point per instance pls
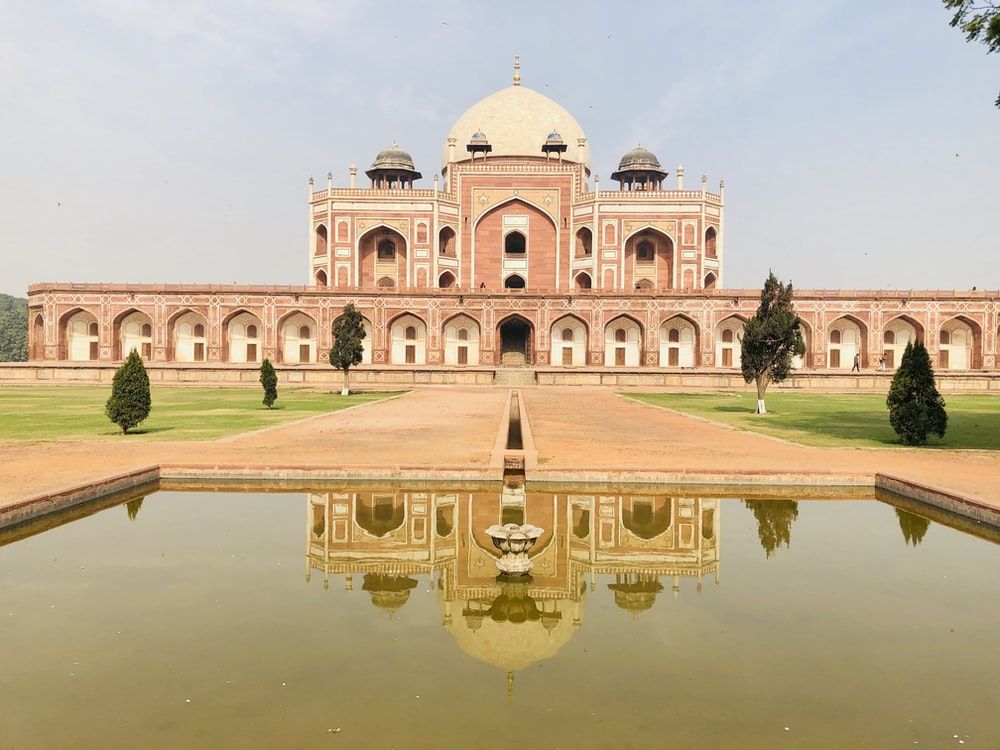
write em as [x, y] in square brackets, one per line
[855, 420]
[72, 412]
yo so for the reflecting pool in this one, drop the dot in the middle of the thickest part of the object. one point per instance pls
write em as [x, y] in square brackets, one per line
[375, 618]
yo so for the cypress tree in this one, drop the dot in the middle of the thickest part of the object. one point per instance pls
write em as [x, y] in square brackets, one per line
[269, 379]
[130, 399]
[348, 346]
[771, 338]
[774, 522]
[916, 409]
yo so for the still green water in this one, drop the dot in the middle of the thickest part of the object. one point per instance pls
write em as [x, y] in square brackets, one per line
[374, 619]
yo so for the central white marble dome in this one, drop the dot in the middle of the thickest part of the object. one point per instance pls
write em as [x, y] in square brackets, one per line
[516, 121]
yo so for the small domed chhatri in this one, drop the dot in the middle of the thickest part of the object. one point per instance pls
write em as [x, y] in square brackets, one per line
[639, 169]
[554, 144]
[393, 167]
[478, 144]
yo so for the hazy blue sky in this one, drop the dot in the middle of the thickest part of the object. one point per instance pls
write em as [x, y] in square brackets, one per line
[171, 141]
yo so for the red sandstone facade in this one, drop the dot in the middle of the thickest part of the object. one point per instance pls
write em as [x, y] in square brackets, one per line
[515, 256]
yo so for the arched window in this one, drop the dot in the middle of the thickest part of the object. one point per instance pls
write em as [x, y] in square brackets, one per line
[321, 277]
[644, 252]
[567, 334]
[889, 337]
[710, 239]
[620, 335]
[199, 330]
[644, 284]
[946, 337]
[514, 244]
[584, 243]
[303, 332]
[835, 336]
[410, 334]
[446, 241]
[710, 281]
[386, 283]
[583, 281]
[446, 280]
[673, 336]
[514, 282]
[146, 331]
[321, 240]
[386, 250]
[727, 336]
[251, 331]
[92, 329]
[463, 334]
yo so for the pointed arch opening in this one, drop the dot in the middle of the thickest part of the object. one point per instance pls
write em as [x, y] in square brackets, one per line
[711, 280]
[649, 257]
[321, 244]
[79, 336]
[132, 329]
[38, 336]
[514, 281]
[447, 242]
[321, 279]
[298, 338]
[711, 237]
[582, 281]
[461, 340]
[678, 339]
[896, 334]
[584, 247]
[623, 342]
[382, 254]
[408, 335]
[189, 342]
[446, 280]
[515, 336]
[847, 344]
[568, 341]
[960, 342]
[242, 337]
[728, 342]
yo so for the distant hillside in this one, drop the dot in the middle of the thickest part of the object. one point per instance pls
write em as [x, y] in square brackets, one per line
[13, 329]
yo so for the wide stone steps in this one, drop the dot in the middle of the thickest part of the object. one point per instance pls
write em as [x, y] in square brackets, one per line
[514, 376]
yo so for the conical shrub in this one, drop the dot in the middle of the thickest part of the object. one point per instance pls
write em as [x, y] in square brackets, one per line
[130, 399]
[916, 409]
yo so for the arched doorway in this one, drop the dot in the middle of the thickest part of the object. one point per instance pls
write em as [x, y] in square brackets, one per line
[514, 281]
[515, 336]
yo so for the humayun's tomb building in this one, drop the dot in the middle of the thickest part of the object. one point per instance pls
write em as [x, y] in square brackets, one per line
[515, 257]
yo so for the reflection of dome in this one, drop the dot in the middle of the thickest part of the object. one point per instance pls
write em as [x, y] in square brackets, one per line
[389, 593]
[517, 120]
[637, 596]
[512, 646]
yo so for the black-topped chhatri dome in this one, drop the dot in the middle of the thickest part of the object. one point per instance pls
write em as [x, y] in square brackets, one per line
[640, 170]
[393, 167]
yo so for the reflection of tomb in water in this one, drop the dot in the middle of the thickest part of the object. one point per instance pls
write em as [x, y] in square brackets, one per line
[391, 537]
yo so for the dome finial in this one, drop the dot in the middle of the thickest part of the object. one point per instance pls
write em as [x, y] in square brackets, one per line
[517, 70]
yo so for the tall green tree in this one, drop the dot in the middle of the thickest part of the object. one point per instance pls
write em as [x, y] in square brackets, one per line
[130, 399]
[269, 381]
[774, 522]
[13, 329]
[916, 409]
[771, 338]
[979, 20]
[348, 343]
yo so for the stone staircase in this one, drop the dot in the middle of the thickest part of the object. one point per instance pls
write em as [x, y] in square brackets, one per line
[514, 376]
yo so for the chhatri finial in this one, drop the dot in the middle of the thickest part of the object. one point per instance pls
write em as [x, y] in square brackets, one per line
[517, 70]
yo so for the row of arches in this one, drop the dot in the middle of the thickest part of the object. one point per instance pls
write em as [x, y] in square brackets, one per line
[650, 259]
[677, 340]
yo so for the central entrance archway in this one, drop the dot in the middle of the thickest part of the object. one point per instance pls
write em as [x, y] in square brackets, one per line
[515, 337]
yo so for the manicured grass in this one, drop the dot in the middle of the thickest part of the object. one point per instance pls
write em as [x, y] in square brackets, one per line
[70, 412]
[854, 420]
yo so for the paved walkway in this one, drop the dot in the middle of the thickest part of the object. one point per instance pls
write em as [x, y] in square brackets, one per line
[453, 427]
[596, 429]
[574, 429]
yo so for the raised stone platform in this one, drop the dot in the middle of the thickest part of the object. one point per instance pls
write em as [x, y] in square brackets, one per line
[84, 373]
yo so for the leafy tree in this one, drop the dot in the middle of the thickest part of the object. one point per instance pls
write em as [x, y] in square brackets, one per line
[916, 409]
[130, 399]
[980, 22]
[348, 338]
[269, 379]
[771, 338]
[132, 507]
[914, 527]
[13, 329]
[774, 521]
